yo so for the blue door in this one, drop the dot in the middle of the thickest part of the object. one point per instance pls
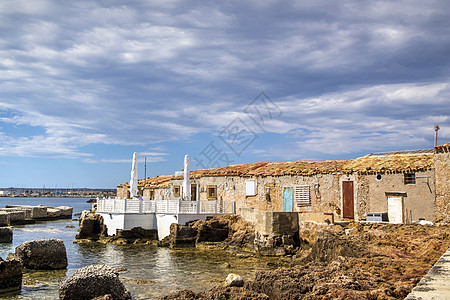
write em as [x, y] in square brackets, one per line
[288, 198]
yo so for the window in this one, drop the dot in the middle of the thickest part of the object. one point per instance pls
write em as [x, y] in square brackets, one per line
[302, 195]
[152, 194]
[212, 192]
[176, 191]
[409, 178]
[250, 188]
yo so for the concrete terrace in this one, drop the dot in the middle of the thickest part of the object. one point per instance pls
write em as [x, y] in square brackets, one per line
[436, 284]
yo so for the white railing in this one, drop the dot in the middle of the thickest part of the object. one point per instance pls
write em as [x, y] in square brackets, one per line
[116, 205]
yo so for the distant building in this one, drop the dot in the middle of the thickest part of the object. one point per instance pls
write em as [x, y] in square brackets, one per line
[4, 193]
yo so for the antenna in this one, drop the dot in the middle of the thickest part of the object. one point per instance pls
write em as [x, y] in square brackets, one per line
[436, 128]
[145, 168]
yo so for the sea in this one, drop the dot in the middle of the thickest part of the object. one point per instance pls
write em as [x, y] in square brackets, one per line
[147, 271]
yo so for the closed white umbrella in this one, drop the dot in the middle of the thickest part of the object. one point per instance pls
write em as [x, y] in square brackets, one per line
[186, 180]
[134, 180]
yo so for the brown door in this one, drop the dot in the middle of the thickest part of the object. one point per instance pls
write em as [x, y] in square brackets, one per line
[347, 198]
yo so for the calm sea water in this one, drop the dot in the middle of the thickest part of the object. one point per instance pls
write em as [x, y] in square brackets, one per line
[151, 272]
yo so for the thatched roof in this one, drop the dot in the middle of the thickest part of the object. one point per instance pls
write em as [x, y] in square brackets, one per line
[389, 162]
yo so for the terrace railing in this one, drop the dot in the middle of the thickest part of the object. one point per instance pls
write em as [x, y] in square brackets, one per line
[116, 205]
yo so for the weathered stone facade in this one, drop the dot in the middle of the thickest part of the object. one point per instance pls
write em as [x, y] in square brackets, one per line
[442, 179]
[349, 189]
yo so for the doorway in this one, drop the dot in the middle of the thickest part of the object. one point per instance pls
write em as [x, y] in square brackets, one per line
[193, 192]
[395, 209]
[288, 198]
[348, 200]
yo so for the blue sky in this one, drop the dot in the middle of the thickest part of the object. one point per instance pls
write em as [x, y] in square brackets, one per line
[84, 84]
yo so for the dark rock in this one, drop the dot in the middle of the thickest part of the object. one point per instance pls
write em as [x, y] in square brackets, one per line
[4, 219]
[15, 216]
[212, 231]
[104, 297]
[95, 281]
[48, 254]
[182, 236]
[6, 235]
[234, 280]
[10, 276]
[181, 295]
[138, 233]
[91, 227]
[218, 293]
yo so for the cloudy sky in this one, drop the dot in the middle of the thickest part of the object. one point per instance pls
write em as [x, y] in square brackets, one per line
[84, 84]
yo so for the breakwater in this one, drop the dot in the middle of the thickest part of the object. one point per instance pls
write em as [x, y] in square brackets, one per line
[27, 214]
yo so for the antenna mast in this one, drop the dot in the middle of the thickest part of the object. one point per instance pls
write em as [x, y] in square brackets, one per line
[436, 128]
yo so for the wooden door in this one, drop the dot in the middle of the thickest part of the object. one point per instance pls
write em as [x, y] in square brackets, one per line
[288, 198]
[395, 209]
[347, 199]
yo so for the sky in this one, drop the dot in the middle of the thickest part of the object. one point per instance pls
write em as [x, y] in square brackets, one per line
[84, 84]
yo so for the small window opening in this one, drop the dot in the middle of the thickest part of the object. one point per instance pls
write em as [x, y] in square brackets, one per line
[409, 178]
[176, 191]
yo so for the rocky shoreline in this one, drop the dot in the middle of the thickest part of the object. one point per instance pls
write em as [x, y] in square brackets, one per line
[348, 260]
[354, 261]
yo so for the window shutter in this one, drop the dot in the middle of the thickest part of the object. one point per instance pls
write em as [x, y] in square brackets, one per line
[302, 196]
[250, 188]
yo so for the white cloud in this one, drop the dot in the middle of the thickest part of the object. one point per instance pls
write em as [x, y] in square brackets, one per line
[138, 74]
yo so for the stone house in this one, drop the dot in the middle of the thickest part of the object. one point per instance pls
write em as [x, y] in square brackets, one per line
[408, 185]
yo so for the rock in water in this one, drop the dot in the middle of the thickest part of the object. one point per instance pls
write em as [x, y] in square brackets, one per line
[6, 235]
[234, 280]
[91, 226]
[48, 254]
[93, 281]
[10, 275]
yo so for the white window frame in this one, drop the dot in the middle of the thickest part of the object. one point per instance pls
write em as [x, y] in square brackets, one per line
[250, 188]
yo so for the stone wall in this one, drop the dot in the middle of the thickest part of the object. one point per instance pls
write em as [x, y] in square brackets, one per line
[418, 198]
[271, 223]
[324, 192]
[442, 181]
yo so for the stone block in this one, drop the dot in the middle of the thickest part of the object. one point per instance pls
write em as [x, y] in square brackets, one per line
[66, 211]
[48, 254]
[10, 276]
[6, 235]
[4, 218]
[31, 212]
[15, 216]
[53, 213]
